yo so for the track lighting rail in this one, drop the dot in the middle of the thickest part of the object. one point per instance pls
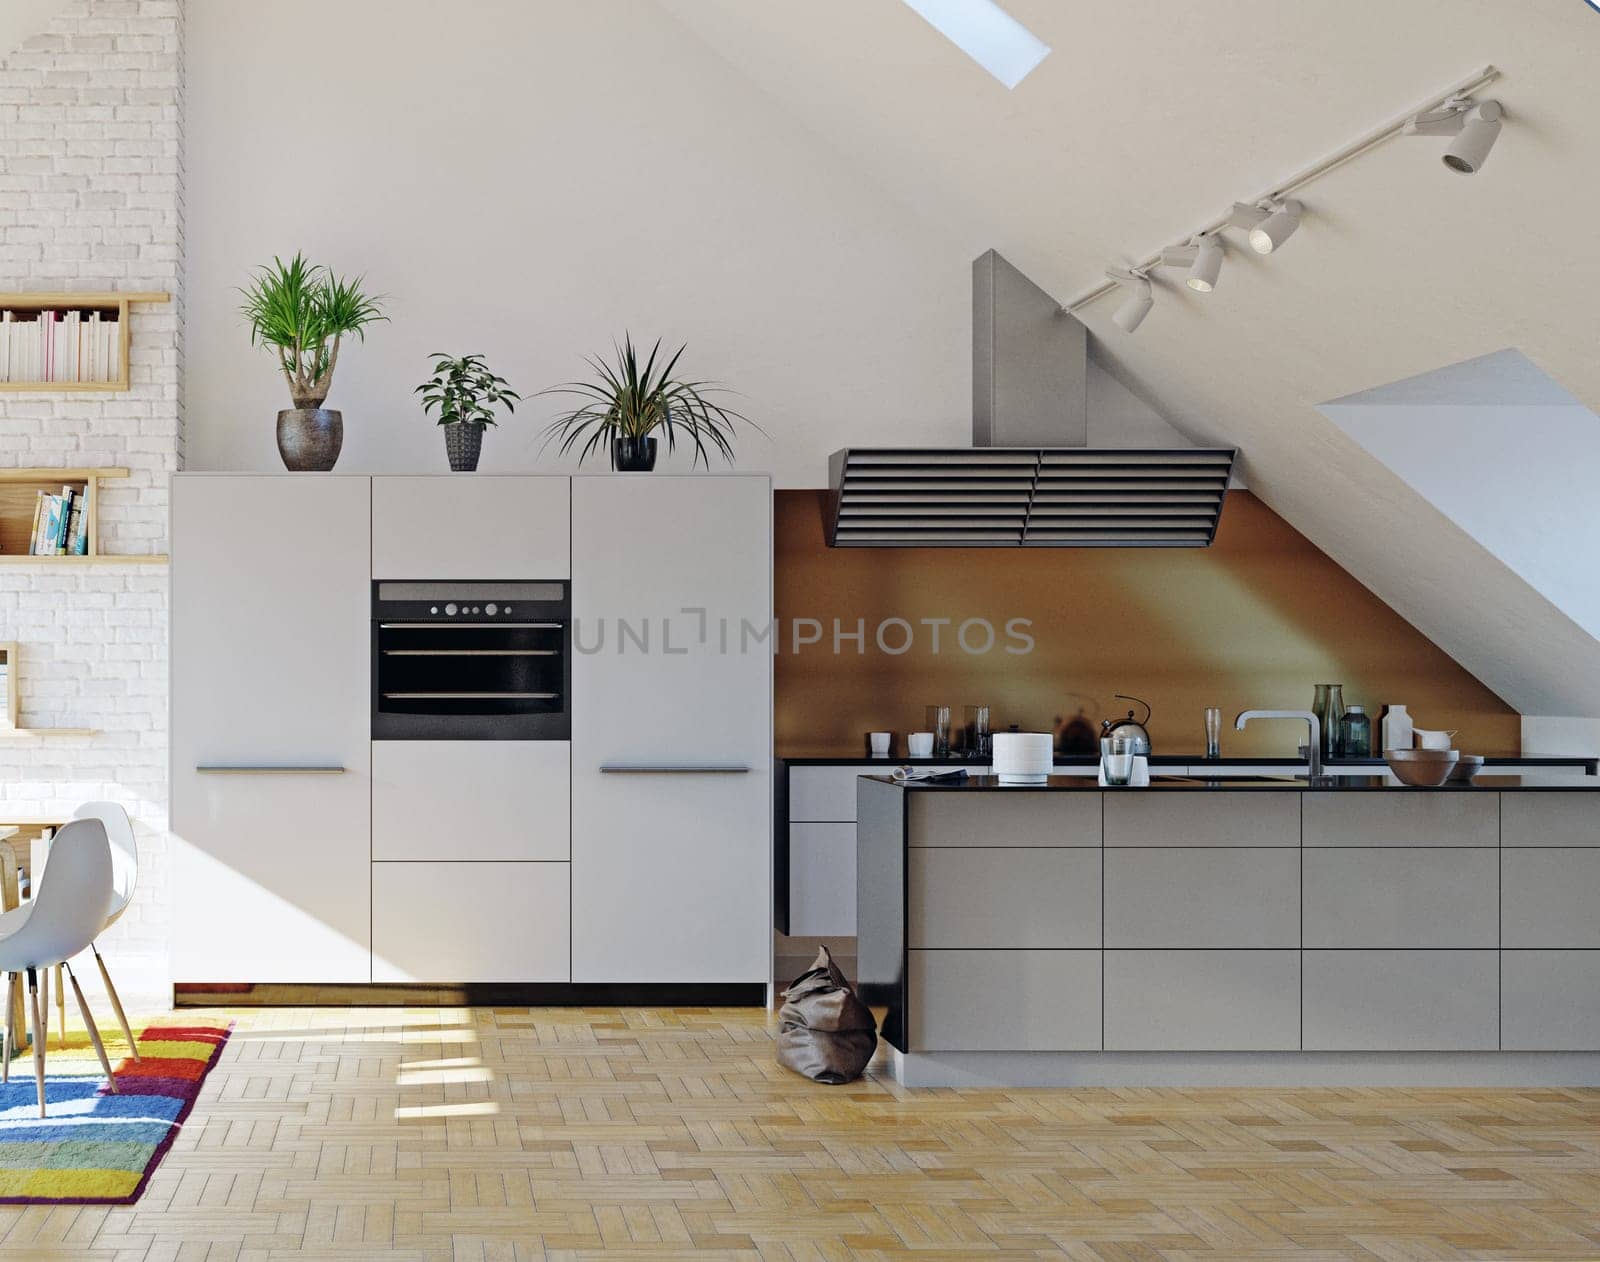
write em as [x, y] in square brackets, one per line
[1445, 100]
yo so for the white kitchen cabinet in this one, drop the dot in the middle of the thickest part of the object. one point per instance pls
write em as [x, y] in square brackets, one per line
[470, 922]
[474, 526]
[475, 800]
[822, 880]
[271, 731]
[672, 729]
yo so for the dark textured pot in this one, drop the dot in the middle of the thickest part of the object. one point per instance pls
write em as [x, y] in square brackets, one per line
[463, 443]
[633, 455]
[309, 438]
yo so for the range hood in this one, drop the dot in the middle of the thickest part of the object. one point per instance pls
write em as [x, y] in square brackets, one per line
[1030, 479]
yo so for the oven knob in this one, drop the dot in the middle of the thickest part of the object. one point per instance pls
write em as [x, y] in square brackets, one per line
[434, 609]
[475, 609]
[491, 609]
[508, 608]
[450, 608]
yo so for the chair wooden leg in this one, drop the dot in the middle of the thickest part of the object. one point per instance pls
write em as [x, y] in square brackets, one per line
[11, 1009]
[94, 1032]
[61, 1004]
[19, 1013]
[44, 1004]
[38, 1036]
[116, 1003]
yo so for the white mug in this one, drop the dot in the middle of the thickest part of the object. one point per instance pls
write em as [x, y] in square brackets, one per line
[920, 744]
[879, 744]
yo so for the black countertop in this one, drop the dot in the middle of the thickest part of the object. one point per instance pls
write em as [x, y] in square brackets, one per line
[1291, 784]
[1589, 765]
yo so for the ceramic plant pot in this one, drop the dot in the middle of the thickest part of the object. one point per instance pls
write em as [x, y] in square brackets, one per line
[463, 443]
[633, 455]
[309, 439]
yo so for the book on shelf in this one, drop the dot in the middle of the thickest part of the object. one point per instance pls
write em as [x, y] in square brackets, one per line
[60, 525]
[67, 346]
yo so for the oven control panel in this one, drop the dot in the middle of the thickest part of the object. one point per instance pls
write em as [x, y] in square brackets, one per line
[480, 602]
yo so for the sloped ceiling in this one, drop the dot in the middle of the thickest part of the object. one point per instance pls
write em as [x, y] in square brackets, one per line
[1147, 118]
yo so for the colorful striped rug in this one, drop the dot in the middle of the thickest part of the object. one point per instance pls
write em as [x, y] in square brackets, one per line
[97, 1148]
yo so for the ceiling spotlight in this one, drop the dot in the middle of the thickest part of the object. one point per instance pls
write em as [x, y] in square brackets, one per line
[1207, 263]
[1474, 124]
[1276, 228]
[1130, 315]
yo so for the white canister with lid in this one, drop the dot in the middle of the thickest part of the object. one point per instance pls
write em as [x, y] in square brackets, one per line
[1023, 757]
[1399, 732]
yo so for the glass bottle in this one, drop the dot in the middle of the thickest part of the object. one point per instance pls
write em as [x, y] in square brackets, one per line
[1355, 733]
[1327, 703]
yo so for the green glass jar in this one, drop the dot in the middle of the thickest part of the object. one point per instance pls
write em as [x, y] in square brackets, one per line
[1355, 733]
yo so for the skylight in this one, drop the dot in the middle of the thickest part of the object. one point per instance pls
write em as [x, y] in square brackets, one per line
[988, 34]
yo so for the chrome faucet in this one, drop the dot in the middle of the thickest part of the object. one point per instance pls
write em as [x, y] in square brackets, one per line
[1313, 749]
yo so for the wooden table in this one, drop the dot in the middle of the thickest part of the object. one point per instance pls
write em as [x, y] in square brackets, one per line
[19, 848]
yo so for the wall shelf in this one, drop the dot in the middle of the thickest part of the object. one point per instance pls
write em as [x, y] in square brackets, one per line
[108, 304]
[19, 493]
[10, 727]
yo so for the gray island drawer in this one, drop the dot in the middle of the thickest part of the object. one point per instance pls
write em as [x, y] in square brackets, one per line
[1202, 1001]
[1222, 817]
[1010, 817]
[1004, 1001]
[1402, 1001]
[1191, 897]
[1429, 897]
[1396, 817]
[1550, 1001]
[1550, 898]
[1003, 898]
[1551, 819]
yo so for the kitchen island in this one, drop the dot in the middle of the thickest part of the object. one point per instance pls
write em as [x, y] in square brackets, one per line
[1199, 931]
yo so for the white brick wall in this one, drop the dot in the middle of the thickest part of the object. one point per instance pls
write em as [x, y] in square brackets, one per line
[91, 168]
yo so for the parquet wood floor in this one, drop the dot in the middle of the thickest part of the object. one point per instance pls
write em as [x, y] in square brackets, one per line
[444, 1135]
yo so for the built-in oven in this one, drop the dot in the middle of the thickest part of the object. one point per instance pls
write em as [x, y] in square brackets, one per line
[471, 660]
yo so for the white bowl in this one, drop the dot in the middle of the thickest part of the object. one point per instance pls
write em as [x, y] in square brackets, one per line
[1430, 739]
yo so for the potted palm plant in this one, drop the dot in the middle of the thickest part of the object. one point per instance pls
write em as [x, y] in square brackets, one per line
[628, 403]
[302, 313]
[464, 393]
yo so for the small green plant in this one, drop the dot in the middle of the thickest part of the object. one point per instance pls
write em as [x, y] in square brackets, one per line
[302, 312]
[464, 392]
[630, 400]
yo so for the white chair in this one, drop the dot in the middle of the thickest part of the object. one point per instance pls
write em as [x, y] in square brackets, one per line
[124, 880]
[69, 908]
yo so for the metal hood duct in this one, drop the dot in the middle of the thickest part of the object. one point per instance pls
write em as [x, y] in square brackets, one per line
[1030, 479]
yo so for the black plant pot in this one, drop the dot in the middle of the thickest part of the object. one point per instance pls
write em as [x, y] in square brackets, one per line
[309, 438]
[463, 442]
[633, 455]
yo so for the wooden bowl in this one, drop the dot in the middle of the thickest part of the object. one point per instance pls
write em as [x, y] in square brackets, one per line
[1421, 768]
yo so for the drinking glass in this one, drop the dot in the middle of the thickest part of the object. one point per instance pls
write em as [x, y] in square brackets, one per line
[1213, 732]
[1119, 759]
[976, 722]
[937, 721]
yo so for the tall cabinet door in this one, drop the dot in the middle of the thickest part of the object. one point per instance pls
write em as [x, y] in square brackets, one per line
[271, 728]
[671, 728]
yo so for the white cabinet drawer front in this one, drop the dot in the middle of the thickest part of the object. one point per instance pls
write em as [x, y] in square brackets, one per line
[1550, 898]
[1550, 1001]
[470, 922]
[1421, 818]
[1402, 898]
[1015, 817]
[488, 526]
[1402, 1001]
[1003, 898]
[1551, 818]
[1202, 1001]
[1188, 898]
[824, 794]
[1004, 1001]
[1222, 817]
[822, 880]
[506, 800]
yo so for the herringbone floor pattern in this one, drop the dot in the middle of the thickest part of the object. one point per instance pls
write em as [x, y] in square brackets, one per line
[443, 1135]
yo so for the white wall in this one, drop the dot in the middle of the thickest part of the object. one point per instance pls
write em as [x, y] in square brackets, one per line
[91, 155]
[529, 180]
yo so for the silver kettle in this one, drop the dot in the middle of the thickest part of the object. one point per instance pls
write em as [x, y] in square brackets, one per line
[1127, 726]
